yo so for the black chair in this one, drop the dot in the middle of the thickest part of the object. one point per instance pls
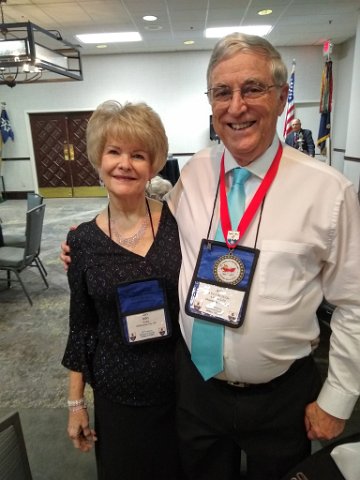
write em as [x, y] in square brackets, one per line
[320, 465]
[17, 259]
[14, 463]
[33, 200]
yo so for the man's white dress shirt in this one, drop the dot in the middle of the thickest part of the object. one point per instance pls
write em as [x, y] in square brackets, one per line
[309, 242]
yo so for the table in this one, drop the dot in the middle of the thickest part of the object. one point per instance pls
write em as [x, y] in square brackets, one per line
[171, 170]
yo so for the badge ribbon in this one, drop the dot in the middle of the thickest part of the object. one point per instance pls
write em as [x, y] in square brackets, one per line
[254, 204]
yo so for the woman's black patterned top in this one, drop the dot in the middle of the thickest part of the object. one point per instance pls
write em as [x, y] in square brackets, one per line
[140, 374]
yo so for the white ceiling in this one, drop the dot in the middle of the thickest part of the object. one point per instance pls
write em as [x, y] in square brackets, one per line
[295, 22]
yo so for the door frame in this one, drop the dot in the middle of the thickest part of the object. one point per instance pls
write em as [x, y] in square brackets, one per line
[95, 191]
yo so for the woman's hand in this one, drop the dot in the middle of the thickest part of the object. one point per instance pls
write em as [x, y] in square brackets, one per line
[79, 431]
[65, 255]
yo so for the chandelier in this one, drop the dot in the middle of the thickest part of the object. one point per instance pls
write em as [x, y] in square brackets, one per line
[29, 53]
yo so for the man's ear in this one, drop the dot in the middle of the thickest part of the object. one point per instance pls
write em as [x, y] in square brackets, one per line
[284, 90]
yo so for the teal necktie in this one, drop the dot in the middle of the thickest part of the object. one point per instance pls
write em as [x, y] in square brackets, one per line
[208, 338]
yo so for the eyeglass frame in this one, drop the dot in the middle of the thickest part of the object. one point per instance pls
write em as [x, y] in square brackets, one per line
[244, 98]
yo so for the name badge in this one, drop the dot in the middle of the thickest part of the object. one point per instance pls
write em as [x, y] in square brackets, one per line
[143, 311]
[221, 283]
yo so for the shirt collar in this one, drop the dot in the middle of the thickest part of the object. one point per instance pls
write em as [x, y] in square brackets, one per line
[258, 167]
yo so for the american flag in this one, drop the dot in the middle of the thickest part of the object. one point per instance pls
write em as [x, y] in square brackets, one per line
[290, 111]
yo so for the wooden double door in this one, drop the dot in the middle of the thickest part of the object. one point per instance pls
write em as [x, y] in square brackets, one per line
[62, 166]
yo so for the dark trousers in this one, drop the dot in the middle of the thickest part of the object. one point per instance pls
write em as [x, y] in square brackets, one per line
[136, 443]
[217, 421]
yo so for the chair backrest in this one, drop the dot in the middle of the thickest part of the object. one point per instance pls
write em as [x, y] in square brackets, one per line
[33, 200]
[14, 463]
[33, 232]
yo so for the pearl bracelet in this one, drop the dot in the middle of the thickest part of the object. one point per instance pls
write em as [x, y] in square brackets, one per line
[76, 403]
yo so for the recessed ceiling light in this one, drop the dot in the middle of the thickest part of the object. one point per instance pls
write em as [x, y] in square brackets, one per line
[110, 37]
[153, 28]
[101, 46]
[266, 11]
[189, 42]
[219, 32]
[150, 18]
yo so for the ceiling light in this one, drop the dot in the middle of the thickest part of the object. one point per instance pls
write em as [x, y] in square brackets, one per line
[30, 53]
[153, 28]
[266, 11]
[218, 32]
[115, 37]
[101, 46]
[189, 42]
[26, 44]
[150, 18]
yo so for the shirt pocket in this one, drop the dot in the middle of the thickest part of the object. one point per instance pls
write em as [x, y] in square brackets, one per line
[283, 269]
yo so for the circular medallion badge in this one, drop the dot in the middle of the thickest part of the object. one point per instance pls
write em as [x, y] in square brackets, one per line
[229, 269]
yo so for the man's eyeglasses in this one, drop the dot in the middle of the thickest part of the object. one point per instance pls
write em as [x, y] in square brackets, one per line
[248, 92]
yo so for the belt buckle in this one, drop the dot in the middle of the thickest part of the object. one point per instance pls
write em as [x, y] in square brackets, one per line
[238, 384]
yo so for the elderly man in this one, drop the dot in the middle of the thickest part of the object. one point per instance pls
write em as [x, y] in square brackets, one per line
[246, 376]
[249, 290]
[301, 138]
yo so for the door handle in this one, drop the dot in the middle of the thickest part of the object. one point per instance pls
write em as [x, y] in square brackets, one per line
[66, 152]
[71, 152]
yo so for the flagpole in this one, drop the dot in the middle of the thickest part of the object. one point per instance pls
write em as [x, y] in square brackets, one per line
[328, 59]
[325, 107]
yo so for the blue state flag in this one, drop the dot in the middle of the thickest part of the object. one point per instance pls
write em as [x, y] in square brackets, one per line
[5, 127]
[324, 131]
[325, 106]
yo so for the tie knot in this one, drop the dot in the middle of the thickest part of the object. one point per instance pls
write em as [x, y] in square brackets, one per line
[240, 175]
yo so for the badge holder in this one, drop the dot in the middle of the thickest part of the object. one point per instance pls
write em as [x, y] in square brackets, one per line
[143, 311]
[220, 286]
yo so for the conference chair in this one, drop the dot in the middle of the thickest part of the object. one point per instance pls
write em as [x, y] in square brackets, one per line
[33, 200]
[14, 463]
[320, 465]
[16, 259]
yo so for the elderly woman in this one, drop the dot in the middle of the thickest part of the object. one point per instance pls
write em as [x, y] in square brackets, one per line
[123, 280]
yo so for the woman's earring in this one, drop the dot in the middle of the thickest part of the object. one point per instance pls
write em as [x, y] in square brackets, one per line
[148, 188]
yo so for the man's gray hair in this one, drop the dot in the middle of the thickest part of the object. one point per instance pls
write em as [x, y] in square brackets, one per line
[234, 43]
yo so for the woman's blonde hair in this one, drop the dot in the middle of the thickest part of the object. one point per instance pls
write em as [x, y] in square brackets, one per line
[132, 123]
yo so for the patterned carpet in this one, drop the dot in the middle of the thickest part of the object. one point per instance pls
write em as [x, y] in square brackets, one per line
[32, 339]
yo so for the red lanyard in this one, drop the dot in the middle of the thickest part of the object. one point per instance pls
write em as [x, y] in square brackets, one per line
[255, 202]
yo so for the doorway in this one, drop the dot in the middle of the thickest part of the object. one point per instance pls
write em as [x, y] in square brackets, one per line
[62, 167]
